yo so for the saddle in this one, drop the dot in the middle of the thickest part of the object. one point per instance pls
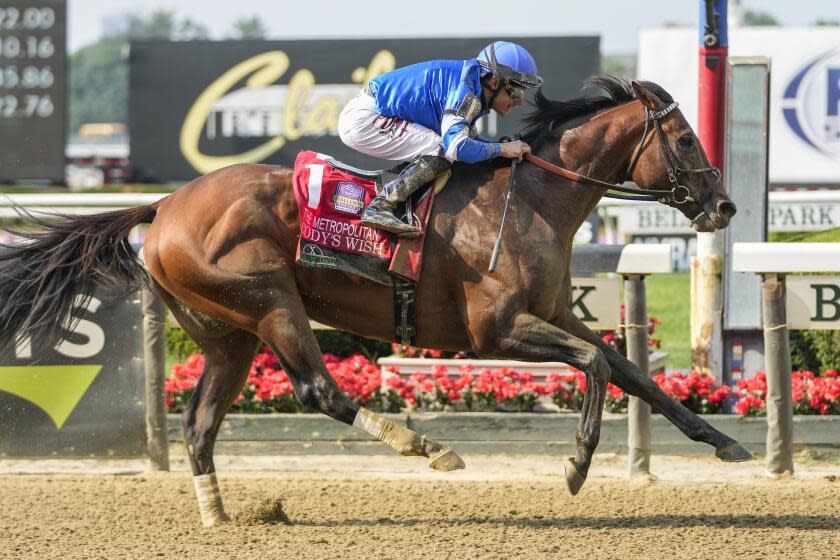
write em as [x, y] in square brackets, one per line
[331, 196]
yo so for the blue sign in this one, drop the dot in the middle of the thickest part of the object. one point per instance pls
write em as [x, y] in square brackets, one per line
[811, 103]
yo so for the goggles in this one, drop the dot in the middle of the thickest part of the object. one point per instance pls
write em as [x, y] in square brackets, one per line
[515, 91]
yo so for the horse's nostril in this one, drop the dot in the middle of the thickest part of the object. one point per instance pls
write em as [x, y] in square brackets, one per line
[726, 208]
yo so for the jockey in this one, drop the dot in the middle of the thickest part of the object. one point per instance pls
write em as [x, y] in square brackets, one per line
[427, 112]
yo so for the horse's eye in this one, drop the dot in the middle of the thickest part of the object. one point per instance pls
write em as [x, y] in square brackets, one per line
[685, 142]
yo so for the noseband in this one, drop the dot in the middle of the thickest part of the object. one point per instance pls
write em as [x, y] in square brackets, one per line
[676, 195]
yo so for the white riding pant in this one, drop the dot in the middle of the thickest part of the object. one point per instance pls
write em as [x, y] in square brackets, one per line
[360, 127]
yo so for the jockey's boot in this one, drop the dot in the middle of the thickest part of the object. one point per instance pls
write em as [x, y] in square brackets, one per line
[380, 211]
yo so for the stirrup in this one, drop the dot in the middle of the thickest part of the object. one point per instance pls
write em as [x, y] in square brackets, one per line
[381, 219]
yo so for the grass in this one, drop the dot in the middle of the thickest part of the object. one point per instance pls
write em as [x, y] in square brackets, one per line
[669, 300]
[826, 236]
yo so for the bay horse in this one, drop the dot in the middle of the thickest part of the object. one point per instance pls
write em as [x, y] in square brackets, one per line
[221, 253]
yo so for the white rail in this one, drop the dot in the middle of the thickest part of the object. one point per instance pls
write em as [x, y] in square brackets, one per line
[786, 257]
[407, 366]
[74, 203]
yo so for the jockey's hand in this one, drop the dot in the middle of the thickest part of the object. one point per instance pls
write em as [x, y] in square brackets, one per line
[515, 149]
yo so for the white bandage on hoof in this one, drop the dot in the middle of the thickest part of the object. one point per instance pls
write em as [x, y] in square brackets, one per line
[403, 440]
[209, 499]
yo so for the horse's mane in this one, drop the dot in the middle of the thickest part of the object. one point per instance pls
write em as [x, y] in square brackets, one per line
[540, 123]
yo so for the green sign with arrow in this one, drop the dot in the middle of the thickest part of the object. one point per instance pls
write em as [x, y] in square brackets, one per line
[54, 389]
[81, 396]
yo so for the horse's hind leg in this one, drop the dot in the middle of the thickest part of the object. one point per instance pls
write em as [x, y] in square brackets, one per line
[228, 353]
[626, 376]
[226, 363]
[531, 339]
[286, 329]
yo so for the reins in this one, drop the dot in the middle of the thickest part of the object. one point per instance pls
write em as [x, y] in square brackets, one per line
[649, 195]
[677, 194]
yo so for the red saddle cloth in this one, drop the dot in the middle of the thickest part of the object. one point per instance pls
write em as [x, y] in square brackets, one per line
[331, 234]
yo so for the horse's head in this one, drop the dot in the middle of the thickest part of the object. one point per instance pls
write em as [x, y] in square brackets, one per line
[670, 154]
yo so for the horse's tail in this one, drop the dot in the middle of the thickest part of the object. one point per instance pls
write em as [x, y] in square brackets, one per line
[65, 257]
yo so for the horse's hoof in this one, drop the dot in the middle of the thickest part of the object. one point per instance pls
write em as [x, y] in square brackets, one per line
[446, 460]
[574, 480]
[733, 453]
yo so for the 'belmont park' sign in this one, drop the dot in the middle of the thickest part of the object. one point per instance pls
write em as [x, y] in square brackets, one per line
[789, 211]
[813, 302]
[597, 302]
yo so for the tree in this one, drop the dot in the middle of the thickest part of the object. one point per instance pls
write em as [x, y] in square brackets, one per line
[98, 81]
[759, 19]
[189, 30]
[619, 66]
[249, 28]
[98, 84]
[162, 24]
[827, 22]
[159, 25]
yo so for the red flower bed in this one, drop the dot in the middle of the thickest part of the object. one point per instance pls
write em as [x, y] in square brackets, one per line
[812, 394]
[698, 392]
[268, 389]
[485, 390]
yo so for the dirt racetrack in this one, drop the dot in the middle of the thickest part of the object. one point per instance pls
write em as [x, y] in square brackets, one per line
[391, 507]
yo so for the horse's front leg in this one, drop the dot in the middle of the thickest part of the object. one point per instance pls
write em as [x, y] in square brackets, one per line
[626, 376]
[531, 339]
[286, 329]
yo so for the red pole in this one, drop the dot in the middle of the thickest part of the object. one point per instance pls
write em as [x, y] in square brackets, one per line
[714, 48]
[711, 102]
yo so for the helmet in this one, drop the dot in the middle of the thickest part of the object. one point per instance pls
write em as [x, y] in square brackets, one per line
[509, 61]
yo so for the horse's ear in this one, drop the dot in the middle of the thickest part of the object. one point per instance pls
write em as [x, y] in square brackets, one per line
[647, 98]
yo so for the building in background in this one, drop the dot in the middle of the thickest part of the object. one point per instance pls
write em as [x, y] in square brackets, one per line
[97, 155]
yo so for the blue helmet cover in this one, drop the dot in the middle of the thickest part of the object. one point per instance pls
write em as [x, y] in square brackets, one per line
[509, 61]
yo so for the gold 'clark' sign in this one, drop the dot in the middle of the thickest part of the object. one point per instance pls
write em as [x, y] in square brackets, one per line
[302, 107]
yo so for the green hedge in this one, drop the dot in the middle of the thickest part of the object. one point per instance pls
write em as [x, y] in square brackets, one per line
[179, 345]
[815, 350]
[344, 344]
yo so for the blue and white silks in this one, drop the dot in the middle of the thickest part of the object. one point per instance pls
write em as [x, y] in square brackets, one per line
[443, 96]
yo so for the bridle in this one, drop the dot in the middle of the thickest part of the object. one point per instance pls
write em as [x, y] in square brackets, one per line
[676, 195]
[671, 163]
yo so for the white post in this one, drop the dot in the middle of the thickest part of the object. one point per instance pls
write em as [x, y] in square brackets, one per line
[638, 411]
[636, 262]
[777, 352]
[706, 308]
[154, 349]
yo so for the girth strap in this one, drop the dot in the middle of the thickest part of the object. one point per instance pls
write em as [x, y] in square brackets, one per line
[405, 295]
